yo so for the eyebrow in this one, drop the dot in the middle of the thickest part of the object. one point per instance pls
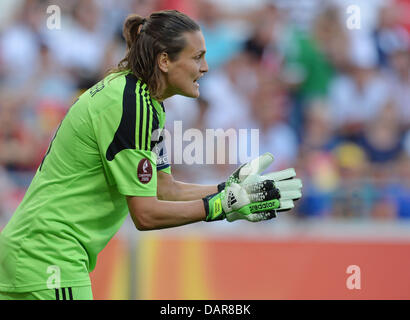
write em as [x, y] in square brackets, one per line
[201, 52]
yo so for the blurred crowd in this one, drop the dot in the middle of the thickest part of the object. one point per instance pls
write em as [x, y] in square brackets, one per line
[326, 84]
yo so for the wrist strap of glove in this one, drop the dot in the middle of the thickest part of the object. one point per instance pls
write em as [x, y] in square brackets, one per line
[213, 207]
[221, 186]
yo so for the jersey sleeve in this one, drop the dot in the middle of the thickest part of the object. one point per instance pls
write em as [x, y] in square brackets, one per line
[160, 150]
[166, 170]
[133, 172]
[124, 138]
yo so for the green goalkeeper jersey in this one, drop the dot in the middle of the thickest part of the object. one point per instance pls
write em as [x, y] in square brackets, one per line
[107, 147]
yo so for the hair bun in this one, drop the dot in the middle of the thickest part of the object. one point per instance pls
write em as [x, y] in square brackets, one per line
[130, 29]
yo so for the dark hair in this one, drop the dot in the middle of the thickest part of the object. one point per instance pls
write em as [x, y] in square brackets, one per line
[161, 32]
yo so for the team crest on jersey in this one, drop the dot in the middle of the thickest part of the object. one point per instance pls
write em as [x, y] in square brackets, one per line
[144, 171]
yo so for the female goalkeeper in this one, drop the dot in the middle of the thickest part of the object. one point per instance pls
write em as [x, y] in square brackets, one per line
[101, 165]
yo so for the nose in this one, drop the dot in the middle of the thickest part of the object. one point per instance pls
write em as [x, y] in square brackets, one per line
[204, 66]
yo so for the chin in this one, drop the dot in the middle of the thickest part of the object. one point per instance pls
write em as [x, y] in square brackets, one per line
[191, 94]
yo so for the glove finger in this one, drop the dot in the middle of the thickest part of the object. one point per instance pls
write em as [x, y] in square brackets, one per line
[286, 205]
[290, 195]
[280, 175]
[289, 185]
[234, 178]
[264, 196]
[258, 187]
[256, 166]
[253, 217]
[260, 216]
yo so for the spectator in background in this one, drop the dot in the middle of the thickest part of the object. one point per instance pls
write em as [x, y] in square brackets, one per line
[18, 146]
[331, 39]
[382, 137]
[20, 44]
[389, 35]
[320, 180]
[385, 192]
[318, 130]
[262, 42]
[354, 196]
[399, 81]
[403, 13]
[226, 90]
[369, 14]
[269, 114]
[188, 7]
[44, 100]
[221, 40]
[318, 161]
[10, 196]
[50, 81]
[146, 7]
[301, 13]
[310, 59]
[402, 186]
[80, 46]
[358, 96]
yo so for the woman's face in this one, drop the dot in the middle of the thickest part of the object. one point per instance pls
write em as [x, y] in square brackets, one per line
[182, 74]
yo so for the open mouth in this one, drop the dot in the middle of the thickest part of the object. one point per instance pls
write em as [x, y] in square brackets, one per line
[196, 80]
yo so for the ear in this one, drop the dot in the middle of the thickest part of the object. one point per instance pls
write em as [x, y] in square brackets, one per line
[163, 62]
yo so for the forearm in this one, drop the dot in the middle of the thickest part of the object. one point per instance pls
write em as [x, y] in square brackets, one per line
[182, 191]
[157, 214]
[170, 189]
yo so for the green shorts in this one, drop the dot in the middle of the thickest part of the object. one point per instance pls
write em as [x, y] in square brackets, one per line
[71, 293]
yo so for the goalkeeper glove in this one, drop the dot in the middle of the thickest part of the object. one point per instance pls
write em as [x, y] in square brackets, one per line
[253, 202]
[289, 187]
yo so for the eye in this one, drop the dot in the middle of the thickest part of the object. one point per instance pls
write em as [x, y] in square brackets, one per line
[199, 56]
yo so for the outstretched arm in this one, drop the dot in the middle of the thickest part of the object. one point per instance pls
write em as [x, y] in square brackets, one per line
[177, 203]
[245, 195]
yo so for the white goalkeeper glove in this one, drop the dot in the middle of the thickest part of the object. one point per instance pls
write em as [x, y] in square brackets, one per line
[249, 173]
[253, 202]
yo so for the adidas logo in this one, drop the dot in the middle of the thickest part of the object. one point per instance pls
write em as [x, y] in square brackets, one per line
[231, 199]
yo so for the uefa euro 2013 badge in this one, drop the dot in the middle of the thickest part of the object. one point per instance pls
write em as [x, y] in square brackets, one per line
[144, 172]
